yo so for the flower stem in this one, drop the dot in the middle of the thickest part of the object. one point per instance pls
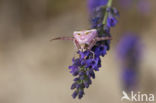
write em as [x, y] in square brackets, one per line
[109, 4]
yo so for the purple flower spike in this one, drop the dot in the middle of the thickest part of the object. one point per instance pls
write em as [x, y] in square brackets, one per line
[128, 43]
[129, 53]
[73, 86]
[74, 94]
[81, 93]
[86, 84]
[89, 61]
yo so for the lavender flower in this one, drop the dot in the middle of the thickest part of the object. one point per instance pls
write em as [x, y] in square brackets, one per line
[128, 44]
[93, 4]
[84, 67]
[126, 3]
[110, 17]
[143, 6]
[129, 53]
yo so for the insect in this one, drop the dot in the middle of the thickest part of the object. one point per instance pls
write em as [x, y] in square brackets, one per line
[84, 40]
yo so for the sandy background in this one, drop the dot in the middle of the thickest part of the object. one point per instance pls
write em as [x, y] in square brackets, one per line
[34, 70]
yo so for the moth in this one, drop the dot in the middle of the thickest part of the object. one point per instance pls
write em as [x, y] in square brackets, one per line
[84, 40]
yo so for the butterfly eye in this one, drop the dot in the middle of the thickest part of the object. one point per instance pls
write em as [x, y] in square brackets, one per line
[78, 34]
[87, 33]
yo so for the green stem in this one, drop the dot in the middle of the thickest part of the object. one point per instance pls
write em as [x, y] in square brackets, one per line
[109, 4]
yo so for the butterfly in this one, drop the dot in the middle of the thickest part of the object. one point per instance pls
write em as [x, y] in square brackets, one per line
[84, 40]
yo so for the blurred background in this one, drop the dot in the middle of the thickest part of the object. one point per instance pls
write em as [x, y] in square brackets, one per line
[34, 70]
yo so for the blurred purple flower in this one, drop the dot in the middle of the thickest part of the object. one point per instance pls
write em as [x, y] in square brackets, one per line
[129, 77]
[93, 4]
[129, 43]
[111, 21]
[126, 3]
[144, 6]
[129, 52]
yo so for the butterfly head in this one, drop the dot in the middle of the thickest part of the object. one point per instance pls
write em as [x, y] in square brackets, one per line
[86, 36]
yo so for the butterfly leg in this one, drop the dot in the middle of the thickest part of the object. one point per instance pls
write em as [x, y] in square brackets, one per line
[62, 38]
[93, 42]
[77, 46]
[102, 38]
[93, 54]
